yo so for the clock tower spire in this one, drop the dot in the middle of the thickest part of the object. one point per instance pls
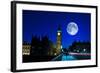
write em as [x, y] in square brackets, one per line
[58, 43]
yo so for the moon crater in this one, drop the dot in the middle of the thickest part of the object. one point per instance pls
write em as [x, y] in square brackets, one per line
[72, 28]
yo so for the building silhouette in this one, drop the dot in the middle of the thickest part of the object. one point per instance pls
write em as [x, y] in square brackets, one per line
[80, 47]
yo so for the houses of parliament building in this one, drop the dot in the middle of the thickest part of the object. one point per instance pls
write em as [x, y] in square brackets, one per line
[53, 51]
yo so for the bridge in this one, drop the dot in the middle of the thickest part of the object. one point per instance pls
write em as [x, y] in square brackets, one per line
[72, 56]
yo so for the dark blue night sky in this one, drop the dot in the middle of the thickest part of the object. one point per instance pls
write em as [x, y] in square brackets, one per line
[41, 23]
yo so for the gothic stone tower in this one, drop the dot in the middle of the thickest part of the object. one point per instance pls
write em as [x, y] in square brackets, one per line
[58, 45]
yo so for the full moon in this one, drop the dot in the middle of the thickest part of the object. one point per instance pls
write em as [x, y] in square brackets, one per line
[72, 28]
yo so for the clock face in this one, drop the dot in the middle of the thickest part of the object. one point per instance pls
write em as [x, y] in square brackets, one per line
[58, 33]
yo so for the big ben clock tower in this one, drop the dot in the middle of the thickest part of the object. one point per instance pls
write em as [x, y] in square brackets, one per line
[58, 45]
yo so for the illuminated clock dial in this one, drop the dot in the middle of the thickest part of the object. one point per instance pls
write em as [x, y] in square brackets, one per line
[58, 33]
